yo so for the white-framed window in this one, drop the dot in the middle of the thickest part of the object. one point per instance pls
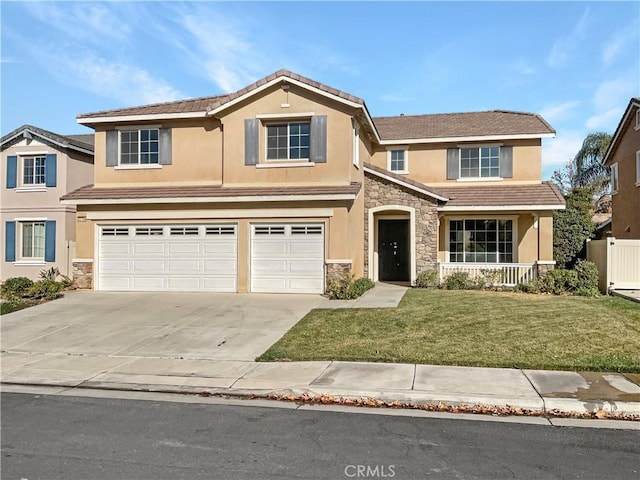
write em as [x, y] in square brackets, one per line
[288, 141]
[139, 146]
[638, 168]
[481, 240]
[614, 178]
[480, 162]
[356, 144]
[397, 160]
[637, 118]
[32, 240]
[33, 170]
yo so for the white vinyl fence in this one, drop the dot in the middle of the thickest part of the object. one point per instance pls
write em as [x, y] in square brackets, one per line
[618, 263]
[506, 274]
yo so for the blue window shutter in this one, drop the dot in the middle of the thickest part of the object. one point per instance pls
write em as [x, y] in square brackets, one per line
[50, 169]
[12, 171]
[506, 162]
[453, 163]
[50, 241]
[10, 241]
[112, 148]
[251, 141]
[164, 146]
[318, 140]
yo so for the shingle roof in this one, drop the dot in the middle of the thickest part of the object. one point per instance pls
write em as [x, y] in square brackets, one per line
[545, 193]
[204, 104]
[401, 179]
[469, 124]
[83, 141]
[89, 192]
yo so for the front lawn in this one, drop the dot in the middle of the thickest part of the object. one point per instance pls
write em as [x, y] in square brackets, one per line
[8, 307]
[476, 328]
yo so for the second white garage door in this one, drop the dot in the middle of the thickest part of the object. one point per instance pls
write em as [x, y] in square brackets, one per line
[287, 258]
[168, 258]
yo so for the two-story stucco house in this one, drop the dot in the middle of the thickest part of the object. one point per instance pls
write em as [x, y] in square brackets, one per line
[38, 167]
[623, 156]
[280, 185]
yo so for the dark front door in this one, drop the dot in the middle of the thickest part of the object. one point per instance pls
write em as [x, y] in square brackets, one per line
[393, 250]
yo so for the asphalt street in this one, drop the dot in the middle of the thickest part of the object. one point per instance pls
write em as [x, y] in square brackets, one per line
[58, 437]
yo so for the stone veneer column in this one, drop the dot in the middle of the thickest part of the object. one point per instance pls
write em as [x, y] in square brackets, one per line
[542, 267]
[83, 273]
[336, 269]
[379, 192]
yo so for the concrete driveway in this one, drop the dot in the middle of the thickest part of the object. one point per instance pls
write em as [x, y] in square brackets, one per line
[166, 325]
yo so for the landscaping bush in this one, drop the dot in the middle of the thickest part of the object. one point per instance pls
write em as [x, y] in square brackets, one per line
[52, 274]
[587, 273]
[458, 281]
[15, 288]
[559, 281]
[582, 280]
[534, 286]
[427, 278]
[345, 287]
[47, 289]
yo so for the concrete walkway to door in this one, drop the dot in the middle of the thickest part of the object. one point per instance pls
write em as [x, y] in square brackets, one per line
[215, 326]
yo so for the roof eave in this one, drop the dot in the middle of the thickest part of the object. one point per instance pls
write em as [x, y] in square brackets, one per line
[500, 208]
[66, 145]
[475, 138]
[139, 118]
[634, 102]
[225, 199]
[406, 184]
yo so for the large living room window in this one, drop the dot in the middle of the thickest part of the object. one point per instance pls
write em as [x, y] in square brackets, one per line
[33, 170]
[288, 141]
[480, 162]
[481, 241]
[32, 240]
[139, 147]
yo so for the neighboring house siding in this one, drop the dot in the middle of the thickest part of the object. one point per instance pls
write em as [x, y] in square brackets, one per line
[379, 192]
[625, 203]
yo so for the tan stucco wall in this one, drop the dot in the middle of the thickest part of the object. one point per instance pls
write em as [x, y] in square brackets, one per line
[196, 157]
[625, 204]
[428, 162]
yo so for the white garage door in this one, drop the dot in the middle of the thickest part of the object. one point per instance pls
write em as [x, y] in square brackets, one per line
[168, 257]
[287, 258]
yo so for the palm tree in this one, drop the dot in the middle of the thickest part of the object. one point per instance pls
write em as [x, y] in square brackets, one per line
[590, 171]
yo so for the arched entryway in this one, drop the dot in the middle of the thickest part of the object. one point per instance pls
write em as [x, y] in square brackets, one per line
[392, 244]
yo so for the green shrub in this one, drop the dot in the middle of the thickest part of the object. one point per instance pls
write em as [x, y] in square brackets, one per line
[587, 276]
[457, 281]
[15, 288]
[66, 281]
[345, 287]
[427, 278]
[359, 286]
[533, 286]
[47, 289]
[52, 274]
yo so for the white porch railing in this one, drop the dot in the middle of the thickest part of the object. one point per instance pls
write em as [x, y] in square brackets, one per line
[503, 274]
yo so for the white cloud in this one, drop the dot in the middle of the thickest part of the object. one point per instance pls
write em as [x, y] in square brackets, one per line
[558, 151]
[609, 101]
[126, 83]
[523, 67]
[615, 46]
[565, 46]
[558, 111]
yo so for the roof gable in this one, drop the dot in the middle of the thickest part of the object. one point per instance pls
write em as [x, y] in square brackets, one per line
[81, 143]
[628, 116]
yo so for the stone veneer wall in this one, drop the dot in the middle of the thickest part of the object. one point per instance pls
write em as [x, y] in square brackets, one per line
[542, 269]
[83, 274]
[337, 269]
[379, 192]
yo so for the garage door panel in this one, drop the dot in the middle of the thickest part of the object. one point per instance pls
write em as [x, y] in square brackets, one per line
[270, 247]
[303, 285]
[168, 257]
[270, 285]
[222, 266]
[306, 248]
[115, 248]
[269, 266]
[304, 266]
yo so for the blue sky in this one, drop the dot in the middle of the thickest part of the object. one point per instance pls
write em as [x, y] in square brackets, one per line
[576, 63]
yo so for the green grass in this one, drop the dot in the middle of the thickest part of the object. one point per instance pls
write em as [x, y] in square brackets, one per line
[476, 328]
[8, 307]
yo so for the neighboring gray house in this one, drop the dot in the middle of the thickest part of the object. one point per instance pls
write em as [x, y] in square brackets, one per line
[38, 167]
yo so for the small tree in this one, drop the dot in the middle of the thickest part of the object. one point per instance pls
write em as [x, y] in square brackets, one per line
[572, 226]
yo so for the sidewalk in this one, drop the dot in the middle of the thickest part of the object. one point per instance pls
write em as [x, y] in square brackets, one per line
[413, 384]
[541, 390]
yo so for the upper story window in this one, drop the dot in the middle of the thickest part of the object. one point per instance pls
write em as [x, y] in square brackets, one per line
[397, 161]
[490, 162]
[356, 144]
[288, 141]
[480, 162]
[33, 170]
[638, 168]
[614, 178]
[139, 147]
